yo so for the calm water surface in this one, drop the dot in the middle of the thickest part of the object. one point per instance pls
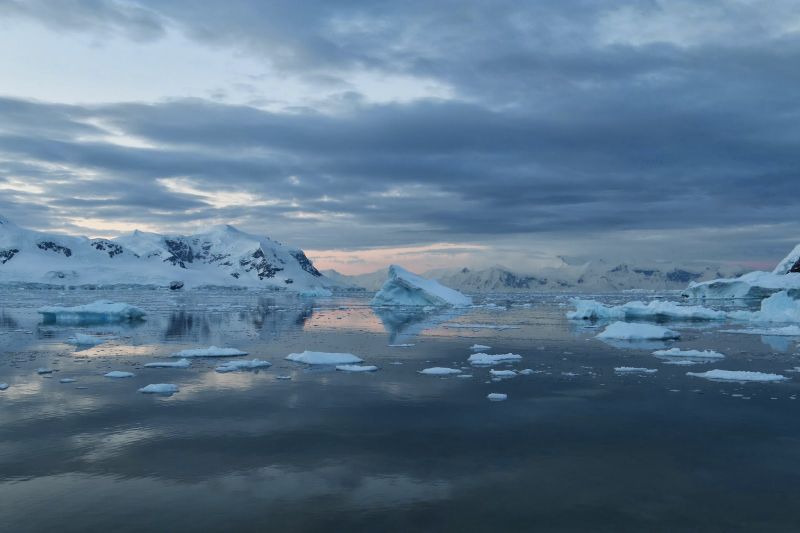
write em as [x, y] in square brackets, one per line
[575, 447]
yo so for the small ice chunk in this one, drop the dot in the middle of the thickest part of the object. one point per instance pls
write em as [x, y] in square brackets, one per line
[118, 374]
[211, 351]
[283, 377]
[233, 366]
[496, 397]
[737, 375]
[99, 311]
[439, 371]
[357, 368]
[636, 332]
[3, 386]
[401, 345]
[160, 388]
[42, 371]
[526, 372]
[689, 354]
[634, 370]
[67, 380]
[81, 339]
[180, 363]
[324, 358]
[479, 347]
[485, 359]
[503, 373]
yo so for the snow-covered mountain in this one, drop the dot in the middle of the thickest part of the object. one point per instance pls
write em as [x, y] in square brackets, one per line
[594, 276]
[221, 256]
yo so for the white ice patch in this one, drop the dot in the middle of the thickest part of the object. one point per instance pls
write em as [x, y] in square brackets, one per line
[401, 345]
[356, 368]
[233, 366]
[211, 351]
[503, 373]
[3, 386]
[634, 370]
[181, 363]
[496, 397]
[160, 388]
[737, 375]
[780, 307]
[657, 309]
[404, 288]
[637, 332]
[676, 353]
[67, 380]
[99, 311]
[786, 331]
[479, 347]
[324, 358]
[485, 359]
[119, 374]
[439, 371]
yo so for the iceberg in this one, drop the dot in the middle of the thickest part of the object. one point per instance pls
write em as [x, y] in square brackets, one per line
[496, 397]
[439, 371]
[485, 359]
[637, 332]
[211, 351]
[657, 309]
[181, 363]
[404, 288]
[160, 388]
[356, 368]
[324, 358]
[737, 375]
[779, 307]
[234, 366]
[95, 312]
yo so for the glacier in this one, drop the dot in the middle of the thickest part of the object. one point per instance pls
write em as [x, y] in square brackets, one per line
[404, 288]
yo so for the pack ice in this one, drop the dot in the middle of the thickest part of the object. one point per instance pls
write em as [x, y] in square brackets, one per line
[404, 288]
[630, 331]
[657, 309]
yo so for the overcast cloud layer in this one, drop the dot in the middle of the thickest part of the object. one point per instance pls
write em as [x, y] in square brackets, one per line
[511, 130]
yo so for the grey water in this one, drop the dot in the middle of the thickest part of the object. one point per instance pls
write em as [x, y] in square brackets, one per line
[575, 447]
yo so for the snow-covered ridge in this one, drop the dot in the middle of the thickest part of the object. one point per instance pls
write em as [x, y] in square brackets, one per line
[222, 256]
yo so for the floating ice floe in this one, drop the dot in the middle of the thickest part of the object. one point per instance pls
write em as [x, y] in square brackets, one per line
[677, 353]
[657, 309]
[81, 339]
[99, 311]
[737, 375]
[3, 386]
[499, 327]
[401, 345]
[479, 347]
[503, 373]
[485, 359]
[634, 370]
[636, 332]
[324, 358]
[786, 331]
[160, 388]
[496, 397]
[780, 307]
[526, 372]
[357, 368]
[118, 374]
[233, 366]
[439, 371]
[211, 351]
[404, 288]
[180, 363]
[43, 371]
[67, 380]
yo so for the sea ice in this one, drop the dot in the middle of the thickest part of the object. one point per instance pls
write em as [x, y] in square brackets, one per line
[180, 363]
[211, 351]
[119, 374]
[634, 370]
[99, 311]
[439, 371]
[67, 380]
[657, 309]
[737, 375]
[786, 331]
[688, 354]
[635, 332]
[324, 358]
[479, 347]
[356, 368]
[496, 397]
[160, 388]
[3, 386]
[42, 371]
[485, 359]
[780, 307]
[404, 288]
[233, 366]
[401, 345]
[502, 373]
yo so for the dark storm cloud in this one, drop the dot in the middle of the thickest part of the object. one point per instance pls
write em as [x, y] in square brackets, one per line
[555, 126]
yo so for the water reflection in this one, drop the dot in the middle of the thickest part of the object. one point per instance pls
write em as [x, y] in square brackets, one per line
[405, 323]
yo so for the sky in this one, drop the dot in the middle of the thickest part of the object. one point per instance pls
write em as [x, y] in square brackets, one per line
[430, 133]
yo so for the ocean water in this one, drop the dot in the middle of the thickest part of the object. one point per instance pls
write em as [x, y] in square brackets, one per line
[575, 447]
